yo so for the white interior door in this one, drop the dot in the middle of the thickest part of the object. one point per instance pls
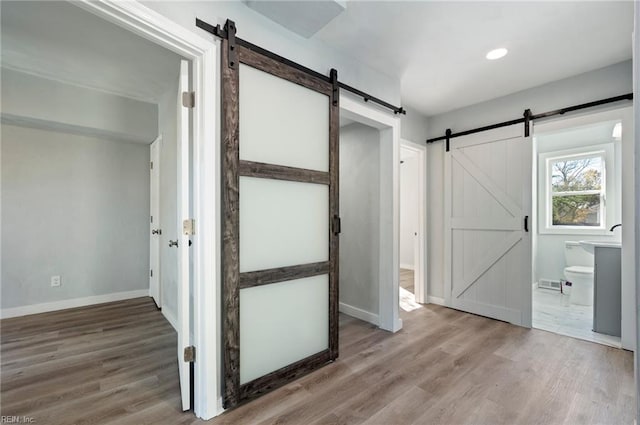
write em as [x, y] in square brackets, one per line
[488, 195]
[183, 319]
[154, 225]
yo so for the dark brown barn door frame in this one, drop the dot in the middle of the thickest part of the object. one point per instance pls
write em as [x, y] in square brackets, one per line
[233, 168]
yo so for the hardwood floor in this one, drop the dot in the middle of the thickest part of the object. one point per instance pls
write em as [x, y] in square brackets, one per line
[406, 279]
[115, 364]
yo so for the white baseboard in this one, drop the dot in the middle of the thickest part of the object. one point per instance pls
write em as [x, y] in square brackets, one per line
[407, 266]
[171, 318]
[72, 303]
[435, 300]
[359, 313]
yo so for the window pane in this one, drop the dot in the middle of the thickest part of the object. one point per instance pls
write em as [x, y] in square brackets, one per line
[577, 174]
[576, 210]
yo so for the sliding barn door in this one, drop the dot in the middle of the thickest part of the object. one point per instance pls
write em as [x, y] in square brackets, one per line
[280, 203]
[488, 214]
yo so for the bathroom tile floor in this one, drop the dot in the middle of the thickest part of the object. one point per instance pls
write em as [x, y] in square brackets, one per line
[553, 312]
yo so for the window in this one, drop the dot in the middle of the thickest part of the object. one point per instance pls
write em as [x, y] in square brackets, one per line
[575, 190]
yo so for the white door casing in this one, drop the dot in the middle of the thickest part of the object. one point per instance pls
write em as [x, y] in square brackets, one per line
[183, 319]
[488, 195]
[154, 222]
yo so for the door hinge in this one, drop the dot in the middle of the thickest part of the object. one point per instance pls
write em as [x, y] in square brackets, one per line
[189, 227]
[188, 99]
[152, 219]
[190, 354]
[151, 272]
[152, 165]
[337, 225]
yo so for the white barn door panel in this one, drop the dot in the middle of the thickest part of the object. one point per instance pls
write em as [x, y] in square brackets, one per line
[488, 195]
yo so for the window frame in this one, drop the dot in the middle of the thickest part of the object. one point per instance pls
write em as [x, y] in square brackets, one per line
[607, 191]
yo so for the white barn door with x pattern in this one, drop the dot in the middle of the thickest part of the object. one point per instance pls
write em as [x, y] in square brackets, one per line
[488, 197]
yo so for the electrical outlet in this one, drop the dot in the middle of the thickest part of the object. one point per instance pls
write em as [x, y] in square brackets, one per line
[55, 281]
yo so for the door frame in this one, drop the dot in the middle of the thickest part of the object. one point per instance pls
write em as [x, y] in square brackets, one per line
[389, 249]
[421, 256]
[203, 54]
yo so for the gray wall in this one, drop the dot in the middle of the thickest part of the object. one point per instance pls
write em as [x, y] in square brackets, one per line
[73, 206]
[257, 28]
[611, 81]
[599, 84]
[37, 102]
[636, 118]
[359, 210]
[413, 126]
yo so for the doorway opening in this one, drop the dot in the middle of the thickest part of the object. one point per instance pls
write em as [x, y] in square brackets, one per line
[412, 225]
[581, 264]
[369, 211]
[90, 104]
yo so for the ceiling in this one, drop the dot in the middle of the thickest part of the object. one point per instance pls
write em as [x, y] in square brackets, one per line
[59, 41]
[438, 49]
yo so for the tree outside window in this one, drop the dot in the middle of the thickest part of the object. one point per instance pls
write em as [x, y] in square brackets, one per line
[577, 192]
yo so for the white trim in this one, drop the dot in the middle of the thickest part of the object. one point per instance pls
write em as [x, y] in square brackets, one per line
[359, 313]
[421, 256]
[407, 266]
[27, 310]
[389, 250]
[171, 318]
[435, 300]
[203, 53]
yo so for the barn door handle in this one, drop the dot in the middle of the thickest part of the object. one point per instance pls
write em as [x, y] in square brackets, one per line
[526, 223]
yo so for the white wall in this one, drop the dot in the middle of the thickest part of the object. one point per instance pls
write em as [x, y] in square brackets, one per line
[549, 253]
[42, 103]
[167, 127]
[359, 211]
[259, 30]
[594, 85]
[409, 207]
[73, 206]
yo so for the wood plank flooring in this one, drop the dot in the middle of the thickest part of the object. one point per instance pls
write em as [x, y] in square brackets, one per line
[115, 364]
[406, 279]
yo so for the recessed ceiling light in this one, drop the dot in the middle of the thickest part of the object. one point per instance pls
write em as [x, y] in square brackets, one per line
[497, 53]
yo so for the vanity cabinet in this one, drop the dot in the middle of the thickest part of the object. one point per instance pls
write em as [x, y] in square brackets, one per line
[607, 287]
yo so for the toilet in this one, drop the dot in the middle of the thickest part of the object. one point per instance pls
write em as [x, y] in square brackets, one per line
[579, 271]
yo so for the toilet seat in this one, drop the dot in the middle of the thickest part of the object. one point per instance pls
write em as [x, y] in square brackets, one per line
[579, 270]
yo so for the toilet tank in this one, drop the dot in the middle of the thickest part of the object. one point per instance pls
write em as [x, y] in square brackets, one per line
[575, 255]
